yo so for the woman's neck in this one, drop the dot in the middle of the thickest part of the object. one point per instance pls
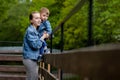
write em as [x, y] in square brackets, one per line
[35, 26]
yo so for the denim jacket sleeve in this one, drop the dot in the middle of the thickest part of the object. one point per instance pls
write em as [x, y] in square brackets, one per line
[48, 26]
[33, 39]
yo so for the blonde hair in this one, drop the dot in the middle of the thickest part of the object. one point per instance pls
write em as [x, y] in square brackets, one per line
[45, 10]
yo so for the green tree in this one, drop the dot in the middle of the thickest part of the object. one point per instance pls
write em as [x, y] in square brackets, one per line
[11, 26]
[106, 29]
[5, 5]
[106, 21]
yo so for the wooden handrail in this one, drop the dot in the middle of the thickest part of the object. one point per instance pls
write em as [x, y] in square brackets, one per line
[72, 12]
[91, 63]
[69, 15]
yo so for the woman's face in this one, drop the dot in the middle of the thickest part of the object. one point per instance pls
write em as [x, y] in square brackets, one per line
[36, 19]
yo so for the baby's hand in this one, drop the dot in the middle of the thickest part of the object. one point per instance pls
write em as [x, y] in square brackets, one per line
[47, 35]
[44, 36]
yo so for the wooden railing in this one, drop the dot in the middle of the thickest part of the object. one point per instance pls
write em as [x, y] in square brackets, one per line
[90, 63]
[76, 8]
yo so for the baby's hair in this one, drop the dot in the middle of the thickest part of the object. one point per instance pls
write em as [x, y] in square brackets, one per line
[44, 9]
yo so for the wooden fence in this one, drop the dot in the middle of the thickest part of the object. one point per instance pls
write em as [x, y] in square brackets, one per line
[91, 63]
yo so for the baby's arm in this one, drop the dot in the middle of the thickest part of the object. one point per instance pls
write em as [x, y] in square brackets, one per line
[48, 27]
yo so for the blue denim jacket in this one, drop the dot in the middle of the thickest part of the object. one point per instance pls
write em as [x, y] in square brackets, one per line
[45, 26]
[31, 44]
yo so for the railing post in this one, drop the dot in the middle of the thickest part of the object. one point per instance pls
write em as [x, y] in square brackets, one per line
[60, 73]
[49, 68]
[90, 41]
[42, 65]
[43, 68]
[51, 37]
[62, 37]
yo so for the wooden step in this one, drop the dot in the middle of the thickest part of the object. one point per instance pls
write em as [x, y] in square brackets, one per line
[5, 57]
[6, 76]
[12, 68]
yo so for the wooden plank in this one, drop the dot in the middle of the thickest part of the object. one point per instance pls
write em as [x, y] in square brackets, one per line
[12, 77]
[10, 57]
[11, 51]
[47, 75]
[11, 72]
[12, 68]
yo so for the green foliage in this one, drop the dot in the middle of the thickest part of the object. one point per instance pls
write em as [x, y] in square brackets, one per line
[37, 4]
[106, 29]
[106, 21]
[5, 5]
[75, 28]
[12, 24]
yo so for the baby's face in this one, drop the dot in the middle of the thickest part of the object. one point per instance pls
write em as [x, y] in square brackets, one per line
[44, 16]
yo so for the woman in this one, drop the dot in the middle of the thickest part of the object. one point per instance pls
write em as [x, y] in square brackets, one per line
[31, 45]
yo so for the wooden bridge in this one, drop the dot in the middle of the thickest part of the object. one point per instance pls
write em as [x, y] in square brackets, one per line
[100, 62]
[90, 63]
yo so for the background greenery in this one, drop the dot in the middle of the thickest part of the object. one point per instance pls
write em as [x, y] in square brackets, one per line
[106, 18]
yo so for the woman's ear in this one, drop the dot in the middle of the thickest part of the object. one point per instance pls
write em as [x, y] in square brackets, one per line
[31, 21]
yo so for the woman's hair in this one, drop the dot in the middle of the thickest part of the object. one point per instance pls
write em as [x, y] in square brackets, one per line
[31, 14]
